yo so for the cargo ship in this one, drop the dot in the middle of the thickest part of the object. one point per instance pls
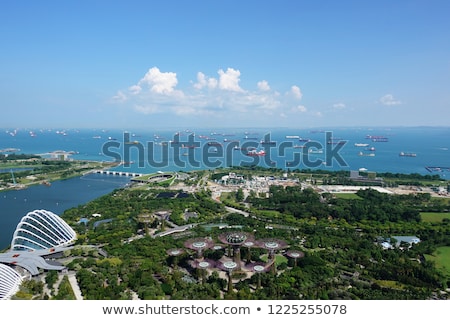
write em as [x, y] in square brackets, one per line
[256, 153]
[407, 154]
[367, 154]
[377, 138]
[268, 142]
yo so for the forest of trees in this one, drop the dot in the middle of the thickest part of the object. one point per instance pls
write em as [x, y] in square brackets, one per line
[372, 205]
[338, 236]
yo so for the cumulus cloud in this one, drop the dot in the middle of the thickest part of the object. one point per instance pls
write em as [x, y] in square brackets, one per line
[229, 80]
[204, 81]
[263, 85]
[218, 96]
[296, 92]
[389, 100]
[135, 89]
[158, 82]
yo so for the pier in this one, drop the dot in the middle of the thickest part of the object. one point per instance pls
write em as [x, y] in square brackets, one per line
[437, 169]
[119, 173]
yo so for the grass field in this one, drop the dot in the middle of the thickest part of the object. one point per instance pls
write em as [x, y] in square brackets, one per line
[434, 216]
[441, 258]
[352, 196]
[279, 259]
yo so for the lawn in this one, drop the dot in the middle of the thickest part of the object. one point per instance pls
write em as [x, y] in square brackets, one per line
[435, 217]
[441, 258]
[279, 259]
[352, 196]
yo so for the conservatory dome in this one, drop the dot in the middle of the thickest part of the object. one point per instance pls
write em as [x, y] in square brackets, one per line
[10, 281]
[42, 229]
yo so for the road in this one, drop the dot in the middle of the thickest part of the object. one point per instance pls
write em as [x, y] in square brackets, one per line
[233, 210]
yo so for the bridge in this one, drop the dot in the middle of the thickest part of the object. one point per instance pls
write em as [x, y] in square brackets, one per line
[175, 230]
[119, 173]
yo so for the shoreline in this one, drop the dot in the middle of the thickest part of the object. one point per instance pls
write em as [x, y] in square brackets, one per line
[38, 179]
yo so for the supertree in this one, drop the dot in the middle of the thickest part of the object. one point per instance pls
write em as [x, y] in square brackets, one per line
[202, 266]
[295, 254]
[235, 240]
[199, 245]
[249, 244]
[175, 253]
[229, 267]
[258, 268]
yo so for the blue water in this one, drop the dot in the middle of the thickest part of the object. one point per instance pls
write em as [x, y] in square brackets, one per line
[430, 144]
[61, 195]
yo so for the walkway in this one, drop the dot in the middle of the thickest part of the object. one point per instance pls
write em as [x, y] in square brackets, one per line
[74, 283]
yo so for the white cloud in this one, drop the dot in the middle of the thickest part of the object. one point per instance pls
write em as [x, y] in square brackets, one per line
[300, 108]
[229, 80]
[135, 89]
[339, 105]
[389, 100]
[296, 92]
[156, 93]
[120, 97]
[204, 81]
[159, 82]
[263, 85]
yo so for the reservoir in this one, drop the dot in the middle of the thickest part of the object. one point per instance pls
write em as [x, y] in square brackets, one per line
[58, 197]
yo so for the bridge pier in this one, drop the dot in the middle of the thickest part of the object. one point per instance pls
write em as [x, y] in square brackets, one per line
[119, 173]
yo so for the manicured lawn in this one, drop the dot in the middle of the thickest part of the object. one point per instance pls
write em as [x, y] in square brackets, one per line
[434, 216]
[353, 196]
[441, 258]
[279, 259]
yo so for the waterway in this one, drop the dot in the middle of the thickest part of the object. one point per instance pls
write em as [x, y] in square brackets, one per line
[58, 197]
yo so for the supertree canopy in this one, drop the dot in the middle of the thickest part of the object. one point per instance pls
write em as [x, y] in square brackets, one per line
[272, 244]
[174, 252]
[249, 244]
[235, 238]
[257, 267]
[295, 254]
[228, 266]
[199, 244]
[204, 264]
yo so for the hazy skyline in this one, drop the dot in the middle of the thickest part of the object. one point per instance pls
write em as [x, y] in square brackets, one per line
[224, 63]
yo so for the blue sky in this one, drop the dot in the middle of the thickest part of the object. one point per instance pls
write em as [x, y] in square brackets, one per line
[291, 63]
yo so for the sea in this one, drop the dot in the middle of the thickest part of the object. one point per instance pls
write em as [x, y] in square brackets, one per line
[422, 150]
